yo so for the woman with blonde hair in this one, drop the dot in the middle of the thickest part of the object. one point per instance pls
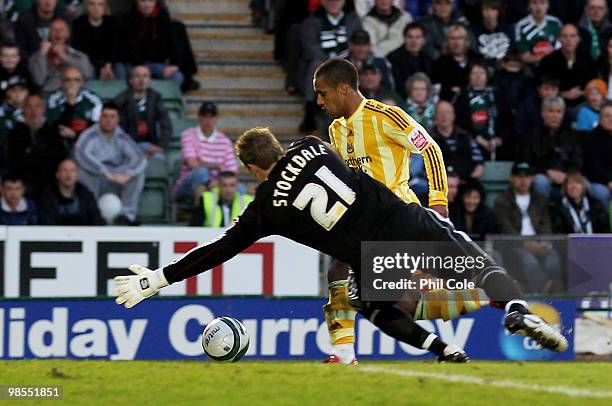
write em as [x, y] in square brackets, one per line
[577, 212]
[95, 34]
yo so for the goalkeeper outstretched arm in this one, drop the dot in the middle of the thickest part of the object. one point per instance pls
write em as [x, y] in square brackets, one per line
[131, 290]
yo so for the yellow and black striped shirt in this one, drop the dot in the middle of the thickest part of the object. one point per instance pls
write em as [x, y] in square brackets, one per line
[379, 139]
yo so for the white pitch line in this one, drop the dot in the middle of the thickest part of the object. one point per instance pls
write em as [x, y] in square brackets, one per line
[563, 390]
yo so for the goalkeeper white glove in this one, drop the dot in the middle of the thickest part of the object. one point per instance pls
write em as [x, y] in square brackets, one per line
[131, 290]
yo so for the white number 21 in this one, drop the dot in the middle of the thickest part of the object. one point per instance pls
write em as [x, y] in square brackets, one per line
[319, 197]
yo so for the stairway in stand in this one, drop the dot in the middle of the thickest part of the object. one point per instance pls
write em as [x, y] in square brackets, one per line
[236, 69]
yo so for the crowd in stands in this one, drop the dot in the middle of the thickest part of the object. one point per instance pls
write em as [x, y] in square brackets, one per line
[61, 146]
[527, 81]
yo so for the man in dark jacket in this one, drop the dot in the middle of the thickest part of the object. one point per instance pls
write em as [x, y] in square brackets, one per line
[521, 211]
[597, 153]
[443, 16]
[13, 69]
[459, 148]
[35, 147]
[67, 202]
[15, 208]
[410, 58]
[594, 28]
[32, 26]
[571, 68]
[551, 149]
[143, 115]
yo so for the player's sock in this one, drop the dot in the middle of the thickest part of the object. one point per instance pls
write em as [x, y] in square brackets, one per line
[500, 287]
[448, 304]
[340, 317]
[402, 327]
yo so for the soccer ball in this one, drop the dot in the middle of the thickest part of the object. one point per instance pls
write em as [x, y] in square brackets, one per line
[225, 340]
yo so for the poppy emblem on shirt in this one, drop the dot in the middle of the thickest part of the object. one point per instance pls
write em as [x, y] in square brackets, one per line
[419, 140]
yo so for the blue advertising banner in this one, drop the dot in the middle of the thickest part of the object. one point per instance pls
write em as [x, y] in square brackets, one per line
[279, 329]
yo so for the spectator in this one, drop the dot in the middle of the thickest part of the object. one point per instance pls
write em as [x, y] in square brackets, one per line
[11, 111]
[206, 152]
[54, 56]
[147, 31]
[459, 149]
[493, 34]
[95, 33]
[363, 7]
[386, 23]
[587, 116]
[514, 89]
[110, 162]
[360, 54]
[72, 108]
[372, 87]
[451, 69]
[521, 211]
[603, 66]
[15, 209]
[221, 205]
[13, 69]
[453, 189]
[443, 17]
[143, 115]
[409, 58]
[35, 147]
[597, 150]
[33, 26]
[471, 215]
[594, 28]
[571, 69]
[578, 212]
[536, 35]
[323, 35]
[421, 101]
[526, 114]
[67, 202]
[476, 109]
[552, 149]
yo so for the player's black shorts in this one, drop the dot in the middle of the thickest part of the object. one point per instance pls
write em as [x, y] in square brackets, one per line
[414, 223]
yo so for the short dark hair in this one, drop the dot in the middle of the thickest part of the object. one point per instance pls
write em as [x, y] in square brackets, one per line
[338, 70]
[11, 177]
[258, 146]
[227, 174]
[494, 4]
[605, 105]
[10, 44]
[110, 106]
[414, 26]
[545, 80]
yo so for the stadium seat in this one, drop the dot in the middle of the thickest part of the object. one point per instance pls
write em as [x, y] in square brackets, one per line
[106, 89]
[174, 159]
[157, 169]
[495, 179]
[153, 205]
[179, 125]
[171, 95]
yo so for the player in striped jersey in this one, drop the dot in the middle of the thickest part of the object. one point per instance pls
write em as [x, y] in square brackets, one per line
[536, 35]
[378, 139]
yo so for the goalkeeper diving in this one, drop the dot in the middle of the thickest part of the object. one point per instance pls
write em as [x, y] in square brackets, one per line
[309, 195]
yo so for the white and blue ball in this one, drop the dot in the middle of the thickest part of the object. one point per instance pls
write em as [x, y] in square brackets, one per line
[225, 340]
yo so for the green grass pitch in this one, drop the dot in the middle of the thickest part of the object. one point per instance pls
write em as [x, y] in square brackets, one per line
[306, 383]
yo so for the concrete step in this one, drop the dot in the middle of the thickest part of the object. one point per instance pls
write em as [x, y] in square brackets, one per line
[209, 6]
[245, 122]
[285, 135]
[242, 96]
[251, 110]
[230, 53]
[237, 42]
[243, 82]
[214, 19]
[199, 29]
[231, 70]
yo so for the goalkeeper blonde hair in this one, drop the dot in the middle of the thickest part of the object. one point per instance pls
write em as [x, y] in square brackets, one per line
[258, 146]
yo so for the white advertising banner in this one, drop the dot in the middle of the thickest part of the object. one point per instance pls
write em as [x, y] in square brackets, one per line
[82, 261]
